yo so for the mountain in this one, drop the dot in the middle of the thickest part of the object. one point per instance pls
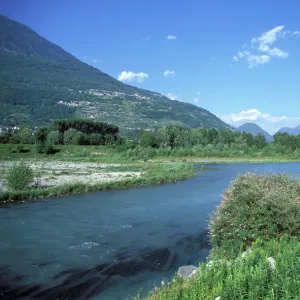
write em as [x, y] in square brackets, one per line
[255, 130]
[292, 131]
[40, 82]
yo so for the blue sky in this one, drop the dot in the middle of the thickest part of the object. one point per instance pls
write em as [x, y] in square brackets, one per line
[238, 59]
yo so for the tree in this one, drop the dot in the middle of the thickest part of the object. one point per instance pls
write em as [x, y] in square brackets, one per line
[55, 138]
[69, 136]
[260, 141]
[41, 138]
[147, 139]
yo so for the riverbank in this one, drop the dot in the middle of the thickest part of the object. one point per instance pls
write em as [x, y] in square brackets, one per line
[96, 177]
[80, 169]
[256, 247]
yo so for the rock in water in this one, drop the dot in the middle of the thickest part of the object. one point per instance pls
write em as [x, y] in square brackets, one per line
[186, 271]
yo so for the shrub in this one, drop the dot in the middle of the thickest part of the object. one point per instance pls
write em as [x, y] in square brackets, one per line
[251, 277]
[96, 139]
[78, 139]
[69, 135]
[19, 177]
[55, 138]
[41, 138]
[147, 140]
[256, 206]
[49, 148]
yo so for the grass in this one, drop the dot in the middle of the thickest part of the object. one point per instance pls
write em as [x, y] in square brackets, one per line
[252, 277]
[106, 154]
[158, 173]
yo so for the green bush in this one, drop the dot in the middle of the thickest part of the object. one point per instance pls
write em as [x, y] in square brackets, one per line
[78, 139]
[55, 138]
[96, 139]
[19, 177]
[69, 136]
[256, 206]
[251, 277]
[49, 148]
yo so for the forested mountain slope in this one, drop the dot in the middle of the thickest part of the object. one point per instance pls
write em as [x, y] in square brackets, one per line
[41, 82]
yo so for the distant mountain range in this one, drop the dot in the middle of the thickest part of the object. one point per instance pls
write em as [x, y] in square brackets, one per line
[292, 131]
[255, 130]
[40, 82]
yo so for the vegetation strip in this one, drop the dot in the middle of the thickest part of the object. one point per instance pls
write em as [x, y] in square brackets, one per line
[159, 173]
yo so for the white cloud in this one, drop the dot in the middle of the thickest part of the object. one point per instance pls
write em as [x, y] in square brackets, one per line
[279, 53]
[147, 38]
[296, 33]
[169, 73]
[267, 39]
[196, 100]
[131, 76]
[265, 120]
[172, 96]
[265, 43]
[171, 37]
[255, 60]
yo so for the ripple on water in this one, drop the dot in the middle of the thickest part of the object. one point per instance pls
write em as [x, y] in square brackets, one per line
[85, 245]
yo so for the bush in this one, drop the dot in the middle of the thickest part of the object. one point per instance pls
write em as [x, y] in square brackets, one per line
[69, 136]
[96, 139]
[147, 140]
[49, 148]
[78, 139]
[19, 177]
[253, 207]
[249, 277]
[55, 138]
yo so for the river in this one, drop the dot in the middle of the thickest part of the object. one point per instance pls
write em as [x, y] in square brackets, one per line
[110, 245]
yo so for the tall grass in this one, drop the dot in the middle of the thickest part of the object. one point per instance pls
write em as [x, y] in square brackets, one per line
[252, 277]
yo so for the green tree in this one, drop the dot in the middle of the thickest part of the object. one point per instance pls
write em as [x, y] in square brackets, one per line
[41, 138]
[69, 135]
[55, 138]
[147, 139]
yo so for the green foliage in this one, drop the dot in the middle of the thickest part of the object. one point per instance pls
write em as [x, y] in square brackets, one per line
[109, 139]
[147, 139]
[69, 136]
[19, 177]
[25, 135]
[85, 126]
[251, 277]
[55, 137]
[96, 139]
[254, 207]
[49, 148]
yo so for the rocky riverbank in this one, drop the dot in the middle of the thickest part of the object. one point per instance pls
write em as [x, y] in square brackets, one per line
[55, 173]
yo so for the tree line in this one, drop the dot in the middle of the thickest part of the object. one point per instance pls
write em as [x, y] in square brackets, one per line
[64, 132]
[204, 141]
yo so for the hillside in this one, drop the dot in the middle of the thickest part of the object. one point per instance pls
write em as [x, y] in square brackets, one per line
[255, 130]
[41, 82]
[292, 131]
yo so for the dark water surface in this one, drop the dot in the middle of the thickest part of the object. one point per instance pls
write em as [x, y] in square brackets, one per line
[109, 245]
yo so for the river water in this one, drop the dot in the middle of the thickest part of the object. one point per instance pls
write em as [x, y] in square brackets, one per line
[110, 245]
